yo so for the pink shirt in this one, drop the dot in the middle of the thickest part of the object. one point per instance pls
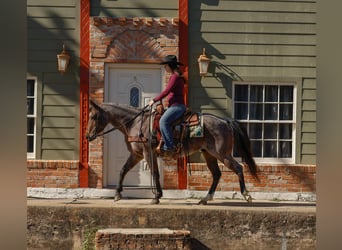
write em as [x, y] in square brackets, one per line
[174, 91]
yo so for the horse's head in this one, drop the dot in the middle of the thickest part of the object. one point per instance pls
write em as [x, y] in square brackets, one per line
[98, 120]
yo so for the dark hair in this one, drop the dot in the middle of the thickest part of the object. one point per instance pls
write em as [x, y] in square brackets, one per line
[175, 68]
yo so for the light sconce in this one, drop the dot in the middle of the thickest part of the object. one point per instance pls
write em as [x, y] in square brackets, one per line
[203, 63]
[63, 61]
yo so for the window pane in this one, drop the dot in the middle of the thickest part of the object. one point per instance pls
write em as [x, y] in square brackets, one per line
[255, 112]
[29, 144]
[241, 111]
[134, 97]
[285, 131]
[241, 93]
[30, 87]
[270, 131]
[255, 131]
[270, 149]
[285, 149]
[30, 125]
[285, 112]
[271, 111]
[271, 93]
[256, 93]
[286, 93]
[257, 148]
[30, 106]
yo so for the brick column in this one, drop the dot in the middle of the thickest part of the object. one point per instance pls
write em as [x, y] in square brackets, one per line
[84, 90]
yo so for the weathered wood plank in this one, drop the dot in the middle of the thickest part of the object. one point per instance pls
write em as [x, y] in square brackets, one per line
[59, 100]
[63, 3]
[43, 11]
[269, 6]
[243, 16]
[308, 137]
[51, 23]
[257, 49]
[228, 38]
[57, 111]
[59, 88]
[309, 94]
[58, 144]
[309, 105]
[309, 148]
[58, 122]
[255, 28]
[59, 133]
[308, 127]
[59, 154]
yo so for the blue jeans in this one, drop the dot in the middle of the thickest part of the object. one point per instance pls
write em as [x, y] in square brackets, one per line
[169, 116]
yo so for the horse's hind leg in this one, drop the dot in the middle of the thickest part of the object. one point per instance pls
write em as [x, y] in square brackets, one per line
[130, 163]
[231, 163]
[216, 174]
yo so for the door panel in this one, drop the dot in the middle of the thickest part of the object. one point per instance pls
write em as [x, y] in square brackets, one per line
[120, 79]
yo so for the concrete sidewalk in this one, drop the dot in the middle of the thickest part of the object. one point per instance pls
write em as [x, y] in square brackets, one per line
[216, 204]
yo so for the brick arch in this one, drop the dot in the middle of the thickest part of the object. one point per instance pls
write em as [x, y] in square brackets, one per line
[136, 46]
[136, 40]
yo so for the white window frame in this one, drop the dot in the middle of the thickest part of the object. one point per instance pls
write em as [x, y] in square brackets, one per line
[275, 83]
[32, 155]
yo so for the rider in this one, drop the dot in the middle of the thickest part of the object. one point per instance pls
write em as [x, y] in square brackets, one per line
[174, 91]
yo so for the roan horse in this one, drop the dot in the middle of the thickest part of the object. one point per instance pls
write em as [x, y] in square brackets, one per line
[216, 144]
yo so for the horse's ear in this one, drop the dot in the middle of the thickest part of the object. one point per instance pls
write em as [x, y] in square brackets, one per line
[95, 105]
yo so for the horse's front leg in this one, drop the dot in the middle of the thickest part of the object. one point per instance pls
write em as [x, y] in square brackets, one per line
[130, 163]
[156, 179]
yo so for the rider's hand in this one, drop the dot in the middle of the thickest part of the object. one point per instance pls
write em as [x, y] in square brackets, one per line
[151, 103]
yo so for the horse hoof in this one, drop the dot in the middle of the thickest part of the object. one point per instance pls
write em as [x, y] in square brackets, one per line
[202, 202]
[117, 198]
[155, 201]
[248, 198]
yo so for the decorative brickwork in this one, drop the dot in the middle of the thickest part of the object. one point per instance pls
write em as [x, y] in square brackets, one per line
[142, 238]
[52, 173]
[124, 40]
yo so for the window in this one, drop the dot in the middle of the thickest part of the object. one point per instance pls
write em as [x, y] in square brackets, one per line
[31, 98]
[268, 113]
[134, 97]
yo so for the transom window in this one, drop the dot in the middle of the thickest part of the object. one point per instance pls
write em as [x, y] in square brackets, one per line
[31, 97]
[268, 113]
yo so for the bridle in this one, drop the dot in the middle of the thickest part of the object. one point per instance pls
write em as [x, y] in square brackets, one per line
[95, 135]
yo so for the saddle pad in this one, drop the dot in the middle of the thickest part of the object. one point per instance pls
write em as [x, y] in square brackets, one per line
[196, 130]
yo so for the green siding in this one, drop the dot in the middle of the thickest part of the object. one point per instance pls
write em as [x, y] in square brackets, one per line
[258, 40]
[49, 25]
[137, 8]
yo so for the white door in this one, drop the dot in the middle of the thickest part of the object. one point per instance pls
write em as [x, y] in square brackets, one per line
[136, 85]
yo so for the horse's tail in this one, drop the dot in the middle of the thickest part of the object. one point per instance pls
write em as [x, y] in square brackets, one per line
[243, 145]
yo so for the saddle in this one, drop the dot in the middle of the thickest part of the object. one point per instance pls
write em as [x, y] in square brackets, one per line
[189, 125]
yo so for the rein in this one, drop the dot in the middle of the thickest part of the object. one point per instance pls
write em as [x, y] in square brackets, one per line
[114, 128]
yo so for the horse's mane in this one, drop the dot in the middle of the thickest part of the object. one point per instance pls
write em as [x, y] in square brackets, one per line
[123, 106]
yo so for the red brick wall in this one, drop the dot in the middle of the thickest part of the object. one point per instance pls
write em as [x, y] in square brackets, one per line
[52, 174]
[273, 178]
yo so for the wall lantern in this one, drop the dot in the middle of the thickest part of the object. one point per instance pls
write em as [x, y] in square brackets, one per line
[203, 63]
[63, 61]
